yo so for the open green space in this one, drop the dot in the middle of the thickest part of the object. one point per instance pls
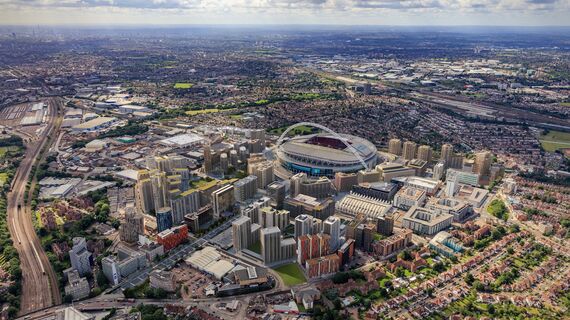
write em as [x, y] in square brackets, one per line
[301, 130]
[498, 209]
[195, 112]
[565, 104]
[555, 140]
[3, 178]
[183, 85]
[291, 274]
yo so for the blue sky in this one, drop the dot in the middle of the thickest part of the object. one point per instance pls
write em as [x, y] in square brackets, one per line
[349, 12]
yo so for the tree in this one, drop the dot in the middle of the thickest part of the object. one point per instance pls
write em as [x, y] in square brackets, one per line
[469, 278]
[67, 298]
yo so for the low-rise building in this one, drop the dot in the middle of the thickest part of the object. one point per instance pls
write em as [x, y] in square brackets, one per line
[425, 221]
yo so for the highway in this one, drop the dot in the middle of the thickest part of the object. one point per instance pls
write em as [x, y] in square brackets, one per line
[39, 282]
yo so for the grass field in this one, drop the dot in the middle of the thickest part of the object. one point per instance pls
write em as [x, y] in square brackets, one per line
[555, 140]
[291, 274]
[565, 104]
[195, 112]
[302, 130]
[182, 85]
[3, 178]
[235, 116]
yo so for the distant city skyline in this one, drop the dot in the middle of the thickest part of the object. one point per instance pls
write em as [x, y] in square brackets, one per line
[262, 12]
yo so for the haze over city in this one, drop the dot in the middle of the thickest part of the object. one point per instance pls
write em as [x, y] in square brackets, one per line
[320, 159]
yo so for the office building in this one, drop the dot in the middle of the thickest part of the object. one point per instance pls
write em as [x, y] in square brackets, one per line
[77, 287]
[222, 200]
[270, 217]
[425, 153]
[384, 191]
[408, 197]
[162, 279]
[274, 249]
[343, 182]
[409, 150]
[391, 170]
[163, 219]
[276, 192]
[462, 177]
[368, 176]
[245, 188]
[425, 221]
[303, 204]
[354, 204]
[318, 188]
[419, 166]
[331, 226]
[395, 147]
[460, 210]
[368, 232]
[81, 259]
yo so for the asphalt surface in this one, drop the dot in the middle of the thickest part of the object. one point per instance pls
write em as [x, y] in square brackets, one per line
[39, 282]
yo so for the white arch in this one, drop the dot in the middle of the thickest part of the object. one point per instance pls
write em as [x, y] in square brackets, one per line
[336, 135]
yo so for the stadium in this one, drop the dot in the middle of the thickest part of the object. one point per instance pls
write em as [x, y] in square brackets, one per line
[323, 154]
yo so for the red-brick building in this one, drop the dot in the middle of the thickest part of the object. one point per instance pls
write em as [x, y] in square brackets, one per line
[322, 266]
[171, 238]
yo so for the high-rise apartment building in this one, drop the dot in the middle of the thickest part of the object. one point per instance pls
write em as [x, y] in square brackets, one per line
[274, 249]
[243, 236]
[395, 146]
[271, 217]
[331, 226]
[409, 151]
[222, 200]
[245, 188]
[276, 192]
[446, 153]
[303, 225]
[482, 165]
[81, 259]
[425, 153]
[164, 219]
[312, 246]
[132, 227]
[344, 181]
[317, 188]
[263, 171]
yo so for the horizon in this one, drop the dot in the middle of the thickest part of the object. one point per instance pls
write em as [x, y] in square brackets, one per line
[304, 12]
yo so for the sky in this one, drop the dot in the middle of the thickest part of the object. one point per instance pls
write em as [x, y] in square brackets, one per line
[333, 12]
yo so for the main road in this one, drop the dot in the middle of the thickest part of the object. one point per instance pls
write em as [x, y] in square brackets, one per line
[39, 282]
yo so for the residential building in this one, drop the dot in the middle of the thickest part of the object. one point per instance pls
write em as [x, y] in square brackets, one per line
[425, 153]
[318, 188]
[384, 191]
[172, 237]
[222, 200]
[408, 197]
[274, 249]
[270, 217]
[322, 266]
[81, 259]
[276, 192]
[132, 227]
[393, 244]
[343, 182]
[395, 146]
[312, 246]
[331, 226]
[164, 219]
[245, 188]
[409, 151]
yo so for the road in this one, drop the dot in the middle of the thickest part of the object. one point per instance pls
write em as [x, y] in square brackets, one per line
[172, 258]
[39, 282]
